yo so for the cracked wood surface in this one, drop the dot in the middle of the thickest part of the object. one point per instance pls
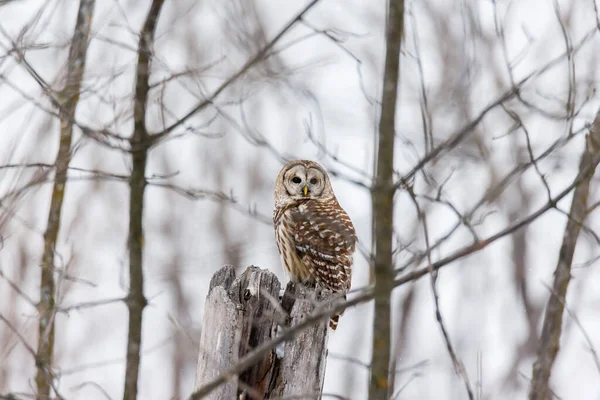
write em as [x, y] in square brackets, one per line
[242, 313]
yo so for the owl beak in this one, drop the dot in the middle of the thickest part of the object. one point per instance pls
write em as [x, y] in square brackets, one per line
[305, 190]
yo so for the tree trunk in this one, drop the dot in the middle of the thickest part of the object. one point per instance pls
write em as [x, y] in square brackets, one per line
[68, 99]
[245, 312]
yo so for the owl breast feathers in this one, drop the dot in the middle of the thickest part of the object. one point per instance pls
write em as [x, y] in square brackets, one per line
[315, 237]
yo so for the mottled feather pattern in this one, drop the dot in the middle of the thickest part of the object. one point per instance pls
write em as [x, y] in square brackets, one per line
[325, 241]
[315, 237]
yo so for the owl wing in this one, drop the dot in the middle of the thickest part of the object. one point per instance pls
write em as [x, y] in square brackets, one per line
[325, 241]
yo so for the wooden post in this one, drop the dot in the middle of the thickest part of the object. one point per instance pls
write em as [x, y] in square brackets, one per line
[240, 314]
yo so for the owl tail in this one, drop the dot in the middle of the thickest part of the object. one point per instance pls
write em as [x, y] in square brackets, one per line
[335, 318]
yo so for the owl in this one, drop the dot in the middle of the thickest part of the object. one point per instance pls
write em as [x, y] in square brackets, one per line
[315, 237]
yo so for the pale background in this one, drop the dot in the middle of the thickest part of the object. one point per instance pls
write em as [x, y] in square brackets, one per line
[314, 79]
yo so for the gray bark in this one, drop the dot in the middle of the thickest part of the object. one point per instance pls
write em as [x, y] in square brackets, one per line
[241, 314]
[550, 337]
[302, 368]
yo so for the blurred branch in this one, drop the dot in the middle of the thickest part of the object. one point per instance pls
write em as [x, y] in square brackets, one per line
[382, 195]
[568, 54]
[45, 167]
[479, 245]
[398, 392]
[68, 98]
[338, 36]
[18, 290]
[513, 92]
[455, 139]
[90, 304]
[21, 338]
[249, 64]
[10, 396]
[102, 136]
[490, 195]
[322, 148]
[426, 117]
[94, 385]
[349, 359]
[98, 175]
[44, 180]
[521, 248]
[585, 335]
[551, 329]
[42, 369]
[366, 294]
[596, 14]
[458, 365]
[247, 132]
[140, 145]
[519, 124]
[18, 53]
[185, 72]
[465, 215]
[7, 2]
[216, 196]
[570, 103]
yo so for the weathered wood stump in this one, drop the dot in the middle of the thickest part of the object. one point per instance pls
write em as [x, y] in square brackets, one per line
[245, 312]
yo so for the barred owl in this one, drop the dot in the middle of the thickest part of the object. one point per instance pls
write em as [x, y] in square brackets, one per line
[315, 237]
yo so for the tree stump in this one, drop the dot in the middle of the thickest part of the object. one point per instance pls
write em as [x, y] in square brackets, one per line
[245, 312]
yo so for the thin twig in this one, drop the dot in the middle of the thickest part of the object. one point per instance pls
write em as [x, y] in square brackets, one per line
[90, 304]
[43, 369]
[552, 327]
[572, 94]
[490, 195]
[242, 71]
[219, 197]
[19, 291]
[514, 91]
[458, 365]
[426, 118]
[366, 294]
[585, 335]
[477, 246]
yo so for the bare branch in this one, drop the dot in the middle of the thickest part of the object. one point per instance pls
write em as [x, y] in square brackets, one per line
[90, 304]
[366, 294]
[585, 335]
[490, 195]
[242, 71]
[458, 365]
[479, 245]
[461, 134]
[18, 290]
[219, 197]
[551, 329]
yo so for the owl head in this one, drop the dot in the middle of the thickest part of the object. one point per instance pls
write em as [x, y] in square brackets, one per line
[302, 180]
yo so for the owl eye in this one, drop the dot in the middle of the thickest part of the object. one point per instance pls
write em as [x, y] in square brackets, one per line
[313, 181]
[296, 179]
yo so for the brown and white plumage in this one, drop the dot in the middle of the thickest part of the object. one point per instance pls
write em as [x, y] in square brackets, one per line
[315, 237]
